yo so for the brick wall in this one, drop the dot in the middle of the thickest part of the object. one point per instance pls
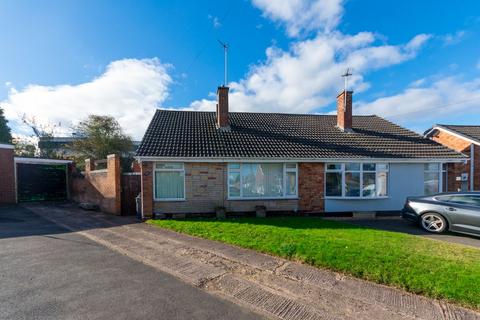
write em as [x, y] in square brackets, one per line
[100, 187]
[147, 188]
[311, 187]
[206, 188]
[452, 141]
[476, 168]
[7, 174]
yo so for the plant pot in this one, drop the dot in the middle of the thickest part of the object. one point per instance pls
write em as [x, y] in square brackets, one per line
[261, 211]
[220, 212]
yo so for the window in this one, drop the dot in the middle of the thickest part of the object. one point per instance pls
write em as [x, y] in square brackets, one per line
[356, 180]
[461, 199]
[169, 181]
[444, 177]
[431, 178]
[262, 180]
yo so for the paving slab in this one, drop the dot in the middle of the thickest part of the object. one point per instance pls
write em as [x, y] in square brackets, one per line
[272, 286]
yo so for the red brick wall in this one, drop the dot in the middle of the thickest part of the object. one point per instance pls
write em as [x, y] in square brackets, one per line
[147, 188]
[311, 187]
[452, 141]
[7, 175]
[100, 187]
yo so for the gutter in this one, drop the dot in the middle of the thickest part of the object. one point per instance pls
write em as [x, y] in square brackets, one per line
[313, 160]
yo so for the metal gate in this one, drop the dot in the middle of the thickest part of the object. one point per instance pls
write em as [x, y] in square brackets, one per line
[41, 182]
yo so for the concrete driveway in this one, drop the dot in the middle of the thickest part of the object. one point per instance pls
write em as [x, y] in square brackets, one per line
[398, 224]
[272, 286]
[47, 272]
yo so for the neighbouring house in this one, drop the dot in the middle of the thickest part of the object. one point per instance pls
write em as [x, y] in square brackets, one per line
[464, 139]
[194, 162]
[61, 147]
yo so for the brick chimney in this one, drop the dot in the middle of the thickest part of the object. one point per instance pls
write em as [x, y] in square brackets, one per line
[222, 108]
[344, 110]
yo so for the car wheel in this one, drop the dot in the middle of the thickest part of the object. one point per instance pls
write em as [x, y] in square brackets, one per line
[433, 222]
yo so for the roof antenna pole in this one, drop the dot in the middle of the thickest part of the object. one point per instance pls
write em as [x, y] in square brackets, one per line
[225, 47]
[347, 74]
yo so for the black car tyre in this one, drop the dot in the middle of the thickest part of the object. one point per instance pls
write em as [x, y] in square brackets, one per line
[433, 222]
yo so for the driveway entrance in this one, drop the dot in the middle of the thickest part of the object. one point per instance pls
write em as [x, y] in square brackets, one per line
[49, 272]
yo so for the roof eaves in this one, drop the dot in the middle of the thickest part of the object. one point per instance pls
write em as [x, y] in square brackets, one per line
[454, 132]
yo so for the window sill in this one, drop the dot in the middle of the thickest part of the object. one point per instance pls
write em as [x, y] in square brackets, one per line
[170, 200]
[357, 198]
[256, 199]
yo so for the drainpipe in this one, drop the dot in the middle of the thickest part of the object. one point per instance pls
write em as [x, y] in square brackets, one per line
[472, 165]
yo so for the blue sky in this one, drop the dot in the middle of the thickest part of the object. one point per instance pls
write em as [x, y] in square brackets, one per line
[415, 63]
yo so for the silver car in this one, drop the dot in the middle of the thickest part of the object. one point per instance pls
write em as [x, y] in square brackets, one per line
[457, 212]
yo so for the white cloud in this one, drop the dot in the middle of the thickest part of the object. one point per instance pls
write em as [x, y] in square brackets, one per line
[307, 76]
[421, 102]
[453, 38]
[303, 15]
[215, 21]
[129, 90]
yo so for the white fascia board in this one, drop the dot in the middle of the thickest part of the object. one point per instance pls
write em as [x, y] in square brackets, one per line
[389, 160]
[6, 146]
[453, 133]
[41, 161]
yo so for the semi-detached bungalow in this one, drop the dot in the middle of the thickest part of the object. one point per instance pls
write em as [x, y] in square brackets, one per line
[194, 162]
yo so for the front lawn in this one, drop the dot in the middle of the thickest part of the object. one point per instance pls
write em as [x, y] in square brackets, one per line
[433, 268]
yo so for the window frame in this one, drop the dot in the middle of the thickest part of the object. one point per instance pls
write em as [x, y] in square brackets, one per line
[284, 182]
[342, 170]
[441, 169]
[155, 170]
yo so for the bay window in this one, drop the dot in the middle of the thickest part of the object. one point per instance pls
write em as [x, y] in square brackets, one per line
[262, 180]
[356, 180]
[169, 181]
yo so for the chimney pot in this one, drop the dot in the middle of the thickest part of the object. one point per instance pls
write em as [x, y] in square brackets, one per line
[344, 110]
[222, 108]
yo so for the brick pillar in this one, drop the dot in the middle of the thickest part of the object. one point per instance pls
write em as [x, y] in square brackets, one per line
[311, 187]
[7, 174]
[147, 189]
[89, 166]
[114, 173]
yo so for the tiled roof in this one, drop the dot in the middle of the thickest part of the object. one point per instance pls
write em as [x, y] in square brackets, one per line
[190, 134]
[472, 132]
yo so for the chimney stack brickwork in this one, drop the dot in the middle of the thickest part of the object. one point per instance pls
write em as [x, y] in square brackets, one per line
[222, 107]
[344, 111]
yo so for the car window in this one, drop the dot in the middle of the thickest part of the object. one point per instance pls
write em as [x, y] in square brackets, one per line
[443, 198]
[476, 200]
[464, 199]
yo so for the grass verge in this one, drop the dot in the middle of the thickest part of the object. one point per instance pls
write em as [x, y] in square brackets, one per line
[433, 268]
